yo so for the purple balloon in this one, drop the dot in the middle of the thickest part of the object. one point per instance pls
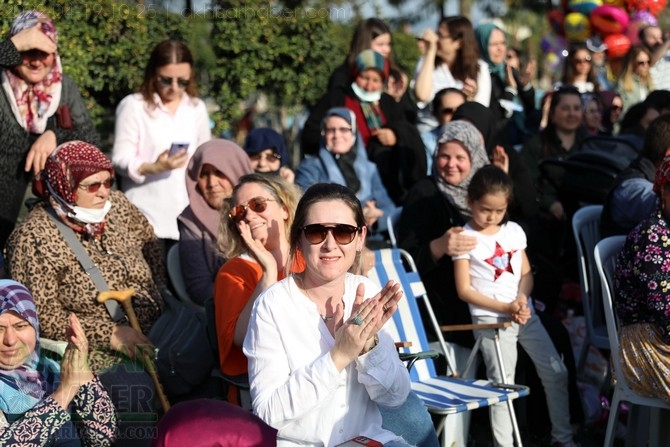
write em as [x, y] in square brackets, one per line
[646, 17]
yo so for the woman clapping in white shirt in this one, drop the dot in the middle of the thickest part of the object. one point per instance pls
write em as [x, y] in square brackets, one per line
[319, 358]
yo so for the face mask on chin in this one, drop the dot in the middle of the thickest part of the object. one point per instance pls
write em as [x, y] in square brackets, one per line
[90, 215]
[365, 96]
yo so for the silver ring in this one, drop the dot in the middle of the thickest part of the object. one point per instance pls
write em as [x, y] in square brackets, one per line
[358, 320]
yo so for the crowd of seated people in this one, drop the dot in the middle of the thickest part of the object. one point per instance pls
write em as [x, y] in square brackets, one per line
[401, 152]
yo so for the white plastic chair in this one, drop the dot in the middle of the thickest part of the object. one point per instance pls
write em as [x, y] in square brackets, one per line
[445, 397]
[586, 228]
[605, 256]
[176, 278]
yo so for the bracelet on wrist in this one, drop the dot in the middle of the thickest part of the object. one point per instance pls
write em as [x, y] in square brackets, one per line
[374, 344]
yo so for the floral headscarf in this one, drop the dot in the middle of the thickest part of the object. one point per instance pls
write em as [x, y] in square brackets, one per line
[33, 104]
[66, 167]
[471, 139]
[26, 385]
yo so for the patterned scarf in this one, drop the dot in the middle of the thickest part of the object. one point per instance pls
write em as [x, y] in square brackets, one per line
[22, 388]
[471, 139]
[662, 175]
[66, 167]
[33, 104]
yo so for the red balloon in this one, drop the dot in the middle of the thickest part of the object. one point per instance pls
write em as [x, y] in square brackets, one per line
[653, 6]
[556, 19]
[617, 45]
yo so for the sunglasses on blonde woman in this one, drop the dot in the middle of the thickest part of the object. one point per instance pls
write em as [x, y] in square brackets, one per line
[317, 233]
[257, 205]
[95, 187]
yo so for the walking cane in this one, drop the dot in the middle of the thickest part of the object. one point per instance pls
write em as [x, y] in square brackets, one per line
[124, 297]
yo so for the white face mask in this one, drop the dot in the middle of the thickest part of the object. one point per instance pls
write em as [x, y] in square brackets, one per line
[90, 215]
[364, 95]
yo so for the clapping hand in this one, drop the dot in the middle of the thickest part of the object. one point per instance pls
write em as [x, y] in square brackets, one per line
[368, 316]
[74, 367]
[75, 371]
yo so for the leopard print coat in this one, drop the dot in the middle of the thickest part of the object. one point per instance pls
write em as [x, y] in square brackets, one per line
[127, 254]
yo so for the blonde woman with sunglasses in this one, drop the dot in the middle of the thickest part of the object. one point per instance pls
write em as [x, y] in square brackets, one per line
[253, 236]
[157, 130]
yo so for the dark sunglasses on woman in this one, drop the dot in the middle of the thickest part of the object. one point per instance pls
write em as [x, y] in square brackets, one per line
[165, 81]
[257, 205]
[317, 233]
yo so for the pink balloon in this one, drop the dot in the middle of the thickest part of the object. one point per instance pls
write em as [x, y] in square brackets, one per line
[645, 17]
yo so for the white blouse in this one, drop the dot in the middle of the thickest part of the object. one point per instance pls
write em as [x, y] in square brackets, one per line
[442, 78]
[295, 386]
[141, 135]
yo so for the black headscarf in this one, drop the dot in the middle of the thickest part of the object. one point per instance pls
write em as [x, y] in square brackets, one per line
[482, 118]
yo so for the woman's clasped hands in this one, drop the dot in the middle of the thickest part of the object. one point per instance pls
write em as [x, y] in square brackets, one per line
[356, 336]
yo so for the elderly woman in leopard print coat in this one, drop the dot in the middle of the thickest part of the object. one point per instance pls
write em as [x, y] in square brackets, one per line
[116, 236]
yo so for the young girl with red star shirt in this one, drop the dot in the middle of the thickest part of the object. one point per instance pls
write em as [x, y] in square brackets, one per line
[495, 280]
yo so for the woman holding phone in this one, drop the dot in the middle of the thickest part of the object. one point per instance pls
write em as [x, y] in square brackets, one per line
[157, 130]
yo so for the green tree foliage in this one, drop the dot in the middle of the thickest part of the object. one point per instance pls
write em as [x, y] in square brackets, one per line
[286, 53]
[405, 51]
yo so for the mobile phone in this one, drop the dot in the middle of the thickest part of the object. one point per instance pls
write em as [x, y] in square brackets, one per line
[176, 147]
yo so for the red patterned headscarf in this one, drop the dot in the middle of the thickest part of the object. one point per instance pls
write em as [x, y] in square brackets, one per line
[66, 167]
[662, 175]
[33, 104]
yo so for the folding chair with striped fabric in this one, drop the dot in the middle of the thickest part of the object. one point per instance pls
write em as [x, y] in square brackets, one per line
[443, 396]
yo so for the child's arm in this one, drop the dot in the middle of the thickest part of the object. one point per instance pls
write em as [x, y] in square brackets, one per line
[525, 287]
[471, 296]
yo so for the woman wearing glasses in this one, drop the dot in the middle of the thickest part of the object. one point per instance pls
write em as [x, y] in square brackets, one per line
[511, 100]
[75, 188]
[451, 60]
[253, 236]
[267, 153]
[612, 108]
[578, 70]
[342, 159]
[165, 110]
[320, 361]
[635, 82]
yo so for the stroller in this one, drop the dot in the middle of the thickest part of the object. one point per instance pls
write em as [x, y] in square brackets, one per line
[586, 175]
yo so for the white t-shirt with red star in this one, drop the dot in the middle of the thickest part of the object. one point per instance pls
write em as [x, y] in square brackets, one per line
[495, 264]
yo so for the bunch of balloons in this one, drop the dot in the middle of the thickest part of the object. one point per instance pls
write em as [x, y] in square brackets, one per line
[616, 22]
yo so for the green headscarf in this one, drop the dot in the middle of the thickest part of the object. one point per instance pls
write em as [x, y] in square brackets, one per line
[483, 34]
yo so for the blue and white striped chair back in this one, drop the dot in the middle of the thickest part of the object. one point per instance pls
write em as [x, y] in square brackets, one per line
[406, 324]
